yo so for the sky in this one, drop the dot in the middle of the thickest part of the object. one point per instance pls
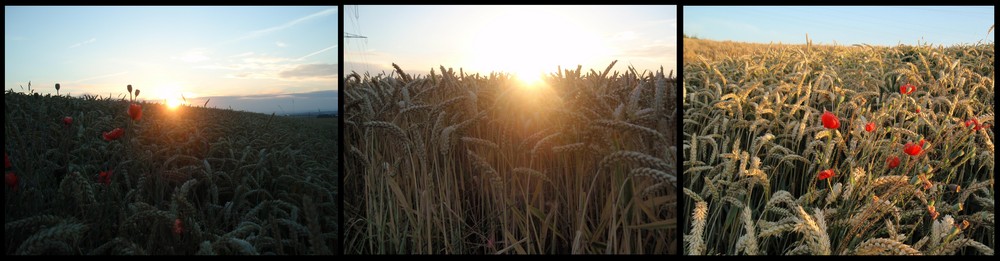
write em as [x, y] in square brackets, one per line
[526, 40]
[260, 59]
[843, 25]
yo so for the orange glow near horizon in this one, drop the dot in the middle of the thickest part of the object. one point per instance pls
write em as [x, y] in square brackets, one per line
[173, 95]
[172, 104]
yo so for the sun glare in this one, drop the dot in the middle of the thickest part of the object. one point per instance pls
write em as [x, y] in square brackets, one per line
[529, 79]
[174, 103]
[172, 94]
[531, 42]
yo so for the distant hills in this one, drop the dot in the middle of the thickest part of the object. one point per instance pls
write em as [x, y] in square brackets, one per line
[296, 104]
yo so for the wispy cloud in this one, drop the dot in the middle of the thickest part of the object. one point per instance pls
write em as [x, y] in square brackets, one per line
[281, 44]
[251, 65]
[258, 33]
[194, 56]
[316, 52]
[242, 55]
[92, 40]
[267, 67]
[311, 71]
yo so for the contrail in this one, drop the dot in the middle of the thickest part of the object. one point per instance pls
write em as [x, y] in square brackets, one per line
[283, 26]
[83, 43]
[316, 52]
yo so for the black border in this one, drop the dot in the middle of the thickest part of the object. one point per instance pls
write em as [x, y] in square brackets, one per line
[679, 143]
[340, 130]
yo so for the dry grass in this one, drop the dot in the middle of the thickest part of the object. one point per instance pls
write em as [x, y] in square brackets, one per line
[754, 144]
[456, 163]
[239, 183]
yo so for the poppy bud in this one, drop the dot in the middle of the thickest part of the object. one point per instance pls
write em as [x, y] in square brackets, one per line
[11, 179]
[178, 227]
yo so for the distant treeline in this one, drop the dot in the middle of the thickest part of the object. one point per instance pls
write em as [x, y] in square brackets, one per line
[321, 114]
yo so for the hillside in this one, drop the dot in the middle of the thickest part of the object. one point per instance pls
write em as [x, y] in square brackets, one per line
[178, 181]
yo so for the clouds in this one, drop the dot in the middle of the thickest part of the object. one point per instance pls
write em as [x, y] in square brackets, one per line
[194, 56]
[647, 45]
[278, 102]
[90, 41]
[242, 55]
[264, 66]
[281, 44]
[265, 31]
[311, 71]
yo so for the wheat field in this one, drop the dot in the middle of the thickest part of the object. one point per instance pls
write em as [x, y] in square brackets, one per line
[174, 182]
[456, 163]
[838, 150]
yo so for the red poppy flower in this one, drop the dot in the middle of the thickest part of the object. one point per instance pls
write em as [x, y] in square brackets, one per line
[135, 112]
[104, 177]
[113, 134]
[893, 162]
[907, 88]
[826, 174]
[976, 126]
[913, 149]
[870, 127]
[830, 121]
[68, 121]
[178, 227]
[6, 161]
[918, 110]
[11, 179]
[972, 122]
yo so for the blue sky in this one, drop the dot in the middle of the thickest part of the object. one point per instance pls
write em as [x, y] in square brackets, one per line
[516, 39]
[883, 25]
[201, 52]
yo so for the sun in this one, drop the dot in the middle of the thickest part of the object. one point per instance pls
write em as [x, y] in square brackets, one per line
[531, 42]
[173, 104]
[529, 79]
